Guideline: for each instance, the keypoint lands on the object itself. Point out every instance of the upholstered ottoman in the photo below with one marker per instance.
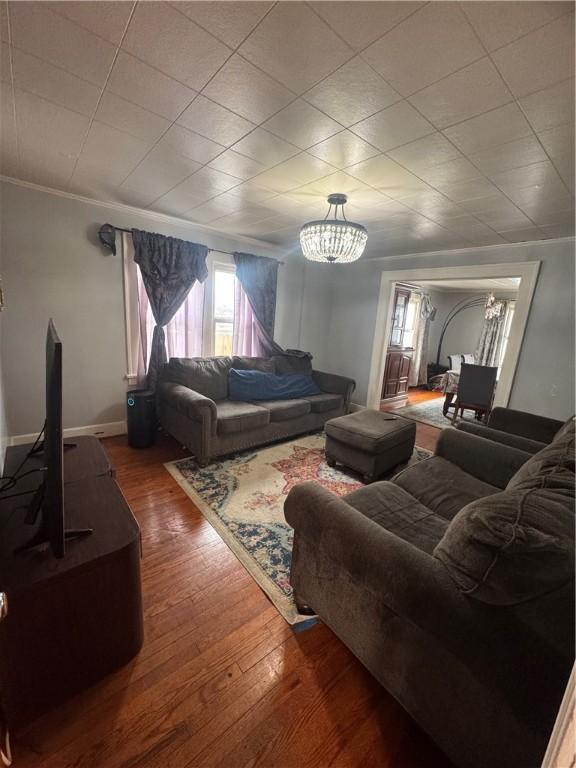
(369, 441)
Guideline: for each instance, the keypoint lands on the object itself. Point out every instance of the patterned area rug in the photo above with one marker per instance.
(429, 412)
(243, 499)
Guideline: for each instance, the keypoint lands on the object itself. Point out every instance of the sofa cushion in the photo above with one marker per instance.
(299, 362)
(513, 546)
(400, 513)
(324, 402)
(207, 375)
(553, 466)
(284, 410)
(237, 416)
(371, 431)
(442, 486)
(264, 364)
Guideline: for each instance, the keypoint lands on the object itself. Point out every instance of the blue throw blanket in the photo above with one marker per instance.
(256, 385)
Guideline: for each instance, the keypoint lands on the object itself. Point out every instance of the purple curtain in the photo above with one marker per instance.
(169, 269)
(245, 341)
(258, 276)
(183, 333)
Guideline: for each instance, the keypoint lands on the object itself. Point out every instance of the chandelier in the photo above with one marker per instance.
(492, 308)
(333, 240)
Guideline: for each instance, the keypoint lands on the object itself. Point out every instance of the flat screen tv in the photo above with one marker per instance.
(48, 500)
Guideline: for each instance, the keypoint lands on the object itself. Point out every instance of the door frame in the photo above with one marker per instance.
(527, 271)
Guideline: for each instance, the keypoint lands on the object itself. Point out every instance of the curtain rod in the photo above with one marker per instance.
(111, 243)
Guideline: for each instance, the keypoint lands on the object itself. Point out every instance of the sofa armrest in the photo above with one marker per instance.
(490, 462)
(192, 404)
(524, 424)
(345, 545)
(506, 438)
(334, 384)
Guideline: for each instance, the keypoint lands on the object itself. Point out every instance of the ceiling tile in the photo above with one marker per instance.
(110, 154)
(247, 91)
(201, 186)
(47, 167)
(526, 176)
(160, 171)
(230, 22)
(295, 47)
(215, 122)
(266, 148)
(119, 113)
(4, 22)
(471, 91)
(5, 67)
(539, 59)
(468, 190)
(37, 30)
(368, 22)
(434, 42)
(345, 148)
(550, 107)
(55, 84)
(490, 129)
(237, 165)
(422, 153)
(190, 144)
(166, 39)
(302, 124)
(452, 171)
(293, 173)
(559, 144)
(8, 144)
(514, 154)
(216, 208)
(250, 193)
(500, 220)
(105, 18)
(542, 199)
(352, 93)
(499, 23)
(46, 126)
(339, 182)
(148, 88)
(524, 235)
(393, 127)
(384, 174)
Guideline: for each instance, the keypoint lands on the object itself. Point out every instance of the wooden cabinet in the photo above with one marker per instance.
(398, 356)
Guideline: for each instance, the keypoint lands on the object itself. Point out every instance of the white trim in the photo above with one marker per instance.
(472, 249)
(131, 315)
(526, 270)
(262, 245)
(111, 429)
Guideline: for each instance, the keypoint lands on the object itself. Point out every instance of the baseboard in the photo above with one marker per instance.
(98, 430)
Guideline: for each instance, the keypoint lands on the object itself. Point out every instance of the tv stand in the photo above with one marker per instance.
(73, 620)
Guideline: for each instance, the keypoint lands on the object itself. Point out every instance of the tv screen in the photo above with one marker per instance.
(53, 502)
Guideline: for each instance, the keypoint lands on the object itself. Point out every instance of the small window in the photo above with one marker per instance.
(223, 319)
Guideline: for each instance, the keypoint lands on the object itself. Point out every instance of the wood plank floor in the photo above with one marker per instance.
(426, 435)
(221, 681)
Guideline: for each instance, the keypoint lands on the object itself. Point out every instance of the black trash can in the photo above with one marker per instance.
(141, 411)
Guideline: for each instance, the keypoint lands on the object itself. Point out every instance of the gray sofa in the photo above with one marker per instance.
(519, 429)
(193, 406)
(454, 585)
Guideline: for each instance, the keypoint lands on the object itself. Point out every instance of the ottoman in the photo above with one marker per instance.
(369, 441)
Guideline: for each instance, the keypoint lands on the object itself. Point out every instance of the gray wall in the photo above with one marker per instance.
(3, 425)
(544, 381)
(53, 266)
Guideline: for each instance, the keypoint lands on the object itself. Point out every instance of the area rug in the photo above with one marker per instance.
(428, 412)
(243, 499)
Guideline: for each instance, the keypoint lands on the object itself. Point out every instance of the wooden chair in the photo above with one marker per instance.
(475, 390)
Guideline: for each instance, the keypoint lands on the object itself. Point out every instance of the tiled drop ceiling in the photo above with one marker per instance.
(447, 124)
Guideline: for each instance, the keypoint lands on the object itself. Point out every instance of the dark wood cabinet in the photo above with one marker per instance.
(398, 356)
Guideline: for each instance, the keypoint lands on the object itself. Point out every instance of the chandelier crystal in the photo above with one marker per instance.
(333, 240)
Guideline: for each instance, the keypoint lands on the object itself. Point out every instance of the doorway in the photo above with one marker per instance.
(516, 281)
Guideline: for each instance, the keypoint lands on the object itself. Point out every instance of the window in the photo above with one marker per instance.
(214, 319)
(411, 322)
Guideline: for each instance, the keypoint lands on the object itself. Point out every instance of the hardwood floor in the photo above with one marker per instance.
(221, 681)
(426, 435)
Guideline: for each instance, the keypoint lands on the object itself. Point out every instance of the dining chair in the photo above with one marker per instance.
(475, 390)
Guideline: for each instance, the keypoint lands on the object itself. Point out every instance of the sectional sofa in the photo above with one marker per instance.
(193, 404)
